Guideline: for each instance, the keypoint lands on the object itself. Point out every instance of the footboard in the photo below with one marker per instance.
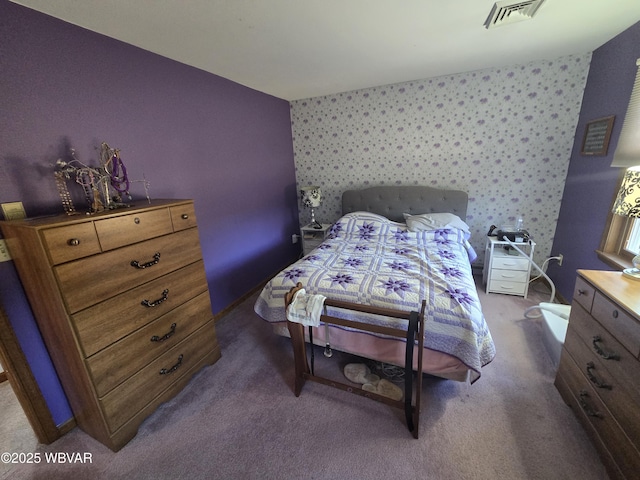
(303, 372)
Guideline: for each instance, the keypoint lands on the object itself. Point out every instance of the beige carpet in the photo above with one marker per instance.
(239, 419)
(16, 434)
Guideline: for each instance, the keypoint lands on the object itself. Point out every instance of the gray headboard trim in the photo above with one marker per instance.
(393, 201)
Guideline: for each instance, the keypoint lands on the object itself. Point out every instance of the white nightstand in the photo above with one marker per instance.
(312, 237)
(505, 272)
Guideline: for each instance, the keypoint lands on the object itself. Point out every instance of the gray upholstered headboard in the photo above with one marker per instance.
(393, 201)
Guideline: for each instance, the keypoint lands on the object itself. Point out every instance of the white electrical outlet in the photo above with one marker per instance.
(5, 256)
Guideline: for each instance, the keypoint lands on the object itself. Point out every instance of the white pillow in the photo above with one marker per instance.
(433, 221)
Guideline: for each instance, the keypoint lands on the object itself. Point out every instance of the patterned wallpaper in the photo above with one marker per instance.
(504, 135)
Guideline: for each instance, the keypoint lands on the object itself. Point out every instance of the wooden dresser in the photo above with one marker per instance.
(599, 373)
(122, 302)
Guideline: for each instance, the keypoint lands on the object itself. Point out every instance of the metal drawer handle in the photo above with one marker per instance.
(185, 216)
(581, 292)
(585, 407)
(615, 314)
(166, 336)
(73, 242)
(156, 259)
(166, 371)
(594, 379)
(155, 303)
(602, 353)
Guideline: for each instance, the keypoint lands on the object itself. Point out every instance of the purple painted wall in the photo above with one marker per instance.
(591, 183)
(189, 133)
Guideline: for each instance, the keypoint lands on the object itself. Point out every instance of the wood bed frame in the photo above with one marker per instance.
(411, 402)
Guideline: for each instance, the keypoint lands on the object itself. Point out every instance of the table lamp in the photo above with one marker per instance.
(628, 204)
(311, 197)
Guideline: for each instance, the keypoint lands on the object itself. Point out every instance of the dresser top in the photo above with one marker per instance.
(135, 206)
(624, 291)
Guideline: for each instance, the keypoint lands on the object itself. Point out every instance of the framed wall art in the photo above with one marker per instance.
(596, 136)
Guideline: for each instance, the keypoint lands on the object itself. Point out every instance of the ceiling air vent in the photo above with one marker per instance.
(509, 11)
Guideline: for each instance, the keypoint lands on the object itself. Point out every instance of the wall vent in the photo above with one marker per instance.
(508, 11)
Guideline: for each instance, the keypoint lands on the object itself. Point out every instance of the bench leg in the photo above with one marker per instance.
(296, 330)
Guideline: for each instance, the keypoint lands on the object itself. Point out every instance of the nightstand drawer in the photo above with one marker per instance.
(311, 244)
(502, 286)
(519, 276)
(510, 262)
(313, 237)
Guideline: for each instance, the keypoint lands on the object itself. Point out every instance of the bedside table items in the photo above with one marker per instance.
(514, 234)
(312, 198)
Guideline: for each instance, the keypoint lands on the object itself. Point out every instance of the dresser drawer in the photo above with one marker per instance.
(114, 364)
(603, 346)
(118, 296)
(621, 325)
(183, 216)
(509, 262)
(604, 375)
(503, 286)
(71, 242)
(93, 279)
(596, 417)
(127, 399)
(124, 230)
(126, 313)
(583, 293)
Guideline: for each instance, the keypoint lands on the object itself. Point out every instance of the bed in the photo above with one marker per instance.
(394, 247)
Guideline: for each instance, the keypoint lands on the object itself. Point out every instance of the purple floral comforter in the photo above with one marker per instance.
(372, 260)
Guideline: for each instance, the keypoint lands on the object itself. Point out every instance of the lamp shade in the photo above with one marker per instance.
(628, 199)
(627, 152)
(311, 196)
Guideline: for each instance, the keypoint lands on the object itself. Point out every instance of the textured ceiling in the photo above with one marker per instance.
(296, 49)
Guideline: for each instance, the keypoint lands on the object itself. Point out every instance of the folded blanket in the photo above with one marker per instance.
(306, 308)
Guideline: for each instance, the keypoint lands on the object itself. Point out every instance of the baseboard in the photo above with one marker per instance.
(559, 298)
(218, 316)
(237, 302)
(66, 427)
